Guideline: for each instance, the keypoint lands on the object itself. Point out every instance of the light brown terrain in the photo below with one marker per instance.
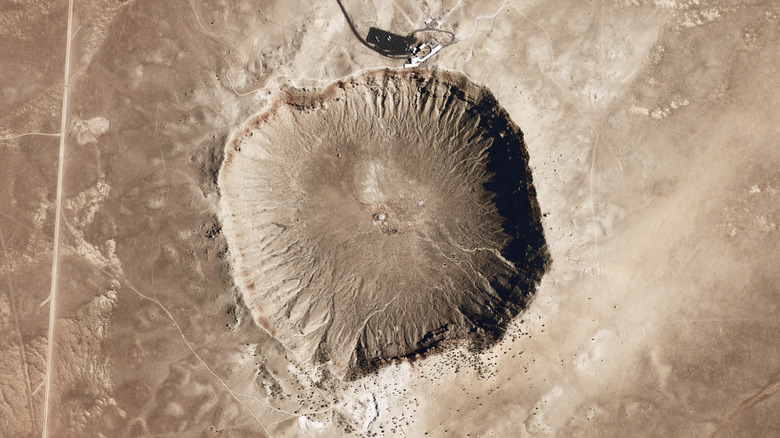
(652, 138)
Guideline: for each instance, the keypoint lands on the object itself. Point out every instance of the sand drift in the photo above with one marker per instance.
(383, 217)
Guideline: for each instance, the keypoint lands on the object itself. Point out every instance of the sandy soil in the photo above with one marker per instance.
(652, 137)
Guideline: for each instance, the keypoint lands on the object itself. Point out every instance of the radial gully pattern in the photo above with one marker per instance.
(382, 217)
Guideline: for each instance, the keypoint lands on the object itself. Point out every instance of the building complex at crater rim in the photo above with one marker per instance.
(381, 217)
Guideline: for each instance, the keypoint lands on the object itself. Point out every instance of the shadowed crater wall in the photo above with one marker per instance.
(382, 217)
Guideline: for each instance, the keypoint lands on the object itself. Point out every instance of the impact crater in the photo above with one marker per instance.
(382, 217)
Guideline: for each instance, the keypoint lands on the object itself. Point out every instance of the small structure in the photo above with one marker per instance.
(423, 52)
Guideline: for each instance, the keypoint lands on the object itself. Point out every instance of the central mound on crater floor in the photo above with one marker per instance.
(381, 217)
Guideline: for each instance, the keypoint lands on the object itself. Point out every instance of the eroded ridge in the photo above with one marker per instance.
(381, 217)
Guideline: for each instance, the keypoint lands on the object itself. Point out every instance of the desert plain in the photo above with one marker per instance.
(651, 135)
